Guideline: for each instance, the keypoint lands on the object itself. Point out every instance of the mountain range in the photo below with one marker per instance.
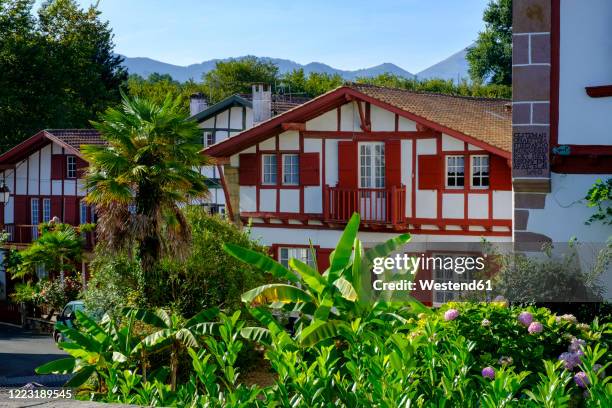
(453, 67)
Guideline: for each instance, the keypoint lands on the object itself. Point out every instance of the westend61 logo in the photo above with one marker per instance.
(396, 266)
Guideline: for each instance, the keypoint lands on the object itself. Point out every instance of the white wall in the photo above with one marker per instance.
(565, 210)
(585, 60)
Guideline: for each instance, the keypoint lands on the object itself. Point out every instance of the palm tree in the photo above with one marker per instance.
(151, 161)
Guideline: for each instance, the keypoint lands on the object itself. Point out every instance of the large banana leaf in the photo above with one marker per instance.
(276, 292)
(204, 316)
(80, 377)
(258, 334)
(311, 277)
(149, 317)
(91, 326)
(385, 248)
(318, 331)
(61, 366)
(344, 249)
(261, 261)
(346, 289)
(83, 340)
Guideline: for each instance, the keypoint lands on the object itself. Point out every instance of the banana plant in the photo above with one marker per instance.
(327, 300)
(93, 348)
(175, 333)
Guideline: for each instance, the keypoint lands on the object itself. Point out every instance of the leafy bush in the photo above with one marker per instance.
(56, 293)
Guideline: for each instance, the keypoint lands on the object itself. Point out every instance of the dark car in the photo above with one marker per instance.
(67, 317)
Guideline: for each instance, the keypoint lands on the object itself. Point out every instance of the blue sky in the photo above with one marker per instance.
(345, 34)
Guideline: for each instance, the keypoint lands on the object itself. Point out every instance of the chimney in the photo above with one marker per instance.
(262, 102)
(197, 103)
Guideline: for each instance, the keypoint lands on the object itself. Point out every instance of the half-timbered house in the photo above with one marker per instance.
(434, 165)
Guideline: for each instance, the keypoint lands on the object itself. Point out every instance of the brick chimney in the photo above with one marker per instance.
(262, 102)
(197, 103)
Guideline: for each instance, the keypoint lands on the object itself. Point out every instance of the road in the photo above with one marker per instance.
(21, 352)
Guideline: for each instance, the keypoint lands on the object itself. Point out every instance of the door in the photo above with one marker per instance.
(372, 193)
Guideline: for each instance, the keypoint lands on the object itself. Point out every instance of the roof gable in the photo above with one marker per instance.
(484, 122)
(234, 100)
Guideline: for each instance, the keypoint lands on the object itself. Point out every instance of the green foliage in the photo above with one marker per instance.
(237, 76)
(599, 197)
(157, 87)
(56, 293)
(26, 293)
(209, 276)
(313, 84)
(58, 67)
(490, 58)
(151, 161)
(116, 281)
(59, 248)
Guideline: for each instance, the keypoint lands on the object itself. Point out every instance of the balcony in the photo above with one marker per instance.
(376, 206)
(25, 234)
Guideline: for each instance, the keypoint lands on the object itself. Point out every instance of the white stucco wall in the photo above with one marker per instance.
(585, 52)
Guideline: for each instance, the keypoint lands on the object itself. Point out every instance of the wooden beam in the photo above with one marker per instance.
(364, 124)
(599, 91)
(294, 126)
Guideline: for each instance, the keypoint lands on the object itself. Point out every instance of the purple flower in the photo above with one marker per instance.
(451, 314)
(525, 318)
(485, 323)
(581, 379)
(576, 345)
(535, 327)
(488, 372)
(570, 360)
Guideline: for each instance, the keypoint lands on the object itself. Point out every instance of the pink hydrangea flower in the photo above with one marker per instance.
(525, 318)
(576, 345)
(535, 327)
(581, 379)
(485, 323)
(570, 360)
(451, 314)
(488, 372)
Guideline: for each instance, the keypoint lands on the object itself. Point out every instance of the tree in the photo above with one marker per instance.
(237, 76)
(490, 58)
(151, 161)
(314, 84)
(157, 87)
(57, 67)
(59, 248)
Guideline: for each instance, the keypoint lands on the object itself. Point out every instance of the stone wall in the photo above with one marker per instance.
(531, 74)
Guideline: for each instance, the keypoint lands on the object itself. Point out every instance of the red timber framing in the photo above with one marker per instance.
(65, 205)
(294, 119)
(582, 159)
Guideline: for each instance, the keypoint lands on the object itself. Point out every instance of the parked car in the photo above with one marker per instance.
(67, 317)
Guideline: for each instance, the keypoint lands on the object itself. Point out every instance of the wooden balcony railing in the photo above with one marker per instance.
(374, 205)
(25, 234)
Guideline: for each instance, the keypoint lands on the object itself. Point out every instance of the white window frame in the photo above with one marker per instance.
(269, 171)
(480, 177)
(291, 170)
(71, 167)
(304, 254)
(455, 173)
(82, 212)
(440, 297)
(208, 138)
(46, 210)
(34, 216)
(371, 165)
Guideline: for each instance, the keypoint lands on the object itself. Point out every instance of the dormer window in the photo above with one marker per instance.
(71, 167)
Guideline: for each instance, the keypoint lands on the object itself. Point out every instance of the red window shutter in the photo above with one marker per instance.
(347, 164)
(430, 172)
(70, 210)
(21, 210)
(81, 167)
(500, 175)
(56, 207)
(393, 162)
(248, 169)
(57, 167)
(309, 169)
(323, 259)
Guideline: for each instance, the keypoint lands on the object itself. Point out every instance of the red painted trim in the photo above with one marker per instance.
(555, 23)
(299, 126)
(467, 174)
(396, 125)
(324, 103)
(490, 198)
(414, 178)
(474, 222)
(599, 91)
(339, 118)
(259, 176)
(301, 186)
(415, 231)
(375, 136)
(438, 191)
(279, 171)
(228, 203)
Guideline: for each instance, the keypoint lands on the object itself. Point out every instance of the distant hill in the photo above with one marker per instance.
(451, 68)
(454, 67)
(146, 66)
